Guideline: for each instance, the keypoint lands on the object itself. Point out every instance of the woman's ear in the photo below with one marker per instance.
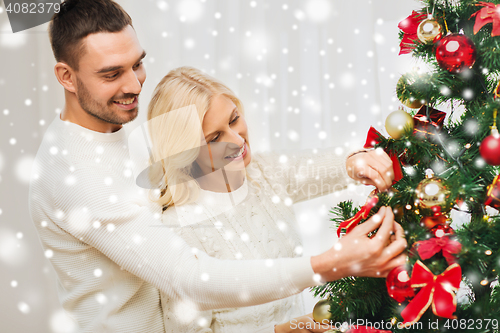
(66, 76)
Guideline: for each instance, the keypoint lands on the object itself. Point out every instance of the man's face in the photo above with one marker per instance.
(111, 75)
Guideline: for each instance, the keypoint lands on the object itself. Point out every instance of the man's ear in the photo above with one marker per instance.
(66, 76)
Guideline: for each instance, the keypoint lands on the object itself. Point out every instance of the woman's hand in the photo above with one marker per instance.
(372, 167)
(355, 254)
(304, 324)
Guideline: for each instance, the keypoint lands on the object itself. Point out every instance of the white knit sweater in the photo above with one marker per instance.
(111, 251)
(255, 221)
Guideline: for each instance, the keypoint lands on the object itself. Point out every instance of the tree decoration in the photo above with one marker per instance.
(411, 102)
(397, 123)
(447, 246)
(433, 195)
(321, 311)
(455, 53)
(409, 26)
(426, 126)
(429, 31)
(431, 222)
(438, 290)
(490, 147)
(490, 13)
(493, 195)
(398, 284)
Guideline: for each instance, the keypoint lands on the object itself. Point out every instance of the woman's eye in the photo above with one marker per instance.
(138, 65)
(234, 120)
(215, 139)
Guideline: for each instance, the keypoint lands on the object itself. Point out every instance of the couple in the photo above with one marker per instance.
(119, 268)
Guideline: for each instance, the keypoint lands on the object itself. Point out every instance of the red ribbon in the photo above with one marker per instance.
(437, 290)
(363, 213)
(490, 13)
(410, 26)
(372, 139)
(428, 248)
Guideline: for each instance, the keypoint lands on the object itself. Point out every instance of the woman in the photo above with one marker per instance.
(228, 202)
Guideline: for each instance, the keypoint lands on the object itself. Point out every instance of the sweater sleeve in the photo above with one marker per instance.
(109, 214)
(302, 175)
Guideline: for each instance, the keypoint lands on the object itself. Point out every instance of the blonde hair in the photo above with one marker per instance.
(182, 90)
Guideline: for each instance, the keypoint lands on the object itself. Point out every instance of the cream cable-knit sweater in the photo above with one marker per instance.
(255, 221)
(111, 251)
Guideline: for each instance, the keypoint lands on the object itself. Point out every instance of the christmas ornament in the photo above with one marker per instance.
(432, 221)
(490, 13)
(493, 195)
(427, 125)
(438, 290)
(321, 311)
(372, 138)
(409, 26)
(442, 230)
(490, 148)
(455, 52)
(346, 226)
(410, 102)
(398, 284)
(397, 123)
(428, 248)
(429, 31)
(433, 196)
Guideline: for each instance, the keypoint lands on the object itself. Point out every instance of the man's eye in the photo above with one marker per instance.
(112, 76)
(234, 120)
(138, 65)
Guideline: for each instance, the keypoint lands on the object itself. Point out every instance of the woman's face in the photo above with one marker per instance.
(226, 135)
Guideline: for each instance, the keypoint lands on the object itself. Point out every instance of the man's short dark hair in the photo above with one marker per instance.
(80, 18)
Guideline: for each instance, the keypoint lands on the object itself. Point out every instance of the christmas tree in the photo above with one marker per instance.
(445, 147)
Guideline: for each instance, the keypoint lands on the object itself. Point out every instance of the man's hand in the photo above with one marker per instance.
(373, 167)
(304, 324)
(358, 255)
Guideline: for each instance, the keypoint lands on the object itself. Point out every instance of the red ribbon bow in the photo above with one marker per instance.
(371, 140)
(410, 26)
(438, 290)
(363, 213)
(490, 13)
(428, 248)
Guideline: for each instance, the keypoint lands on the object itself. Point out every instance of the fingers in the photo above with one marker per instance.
(376, 166)
(372, 223)
(396, 247)
(393, 263)
(384, 232)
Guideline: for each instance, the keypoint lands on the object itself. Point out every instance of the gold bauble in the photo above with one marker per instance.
(433, 195)
(429, 31)
(401, 87)
(397, 123)
(321, 311)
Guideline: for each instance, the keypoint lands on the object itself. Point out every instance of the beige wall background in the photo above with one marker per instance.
(311, 73)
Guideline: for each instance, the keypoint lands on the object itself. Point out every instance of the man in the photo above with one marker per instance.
(98, 228)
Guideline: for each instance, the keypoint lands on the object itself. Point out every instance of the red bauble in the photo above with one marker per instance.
(455, 52)
(398, 284)
(442, 230)
(490, 149)
(431, 221)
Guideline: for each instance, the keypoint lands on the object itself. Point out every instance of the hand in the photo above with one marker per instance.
(358, 255)
(373, 167)
(304, 324)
